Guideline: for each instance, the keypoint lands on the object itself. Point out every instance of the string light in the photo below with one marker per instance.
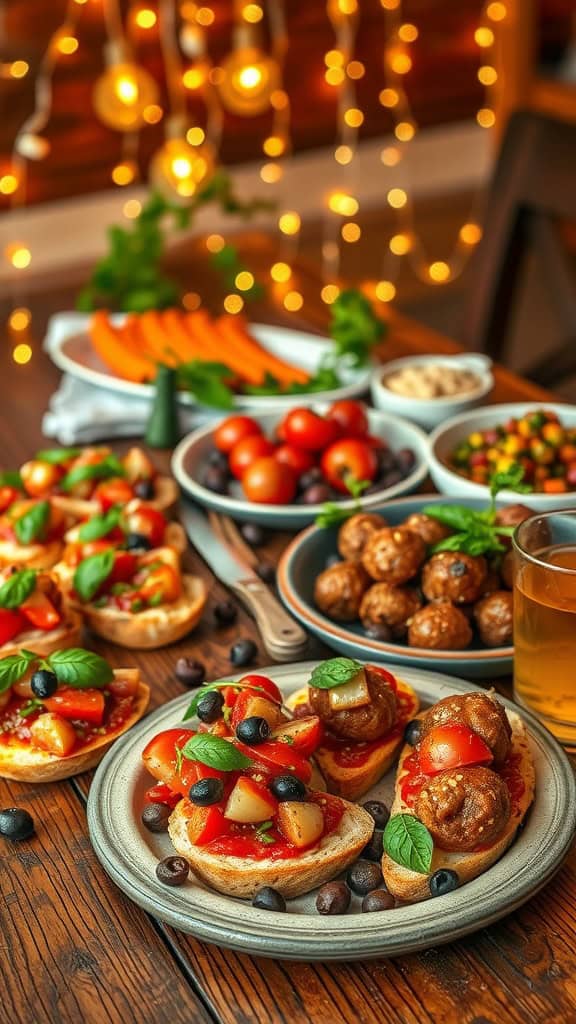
(67, 44)
(124, 173)
(484, 37)
(122, 94)
(400, 62)
(496, 11)
(289, 223)
(404, 131)
(271, 173)
(8, 184)
(280, 272)
(354, 117)
(400, 244)
(132, 208)
(487, 75)
(329, 293)
(252, 13)
(18, 69)
(249, 77)
(145, 18)
(195, 78)
(388, 97)
(408, 33)
(343, 204)
(205, 16)
(191, 301)
(334, 59)
(18, 255)
(470, 234)
(390, 156)
(215, 243)
(233, 303)
(293, 301)
(343, 154)
(439, 271)
(397, 198)
(195, 136)
(355, 69)
(274, 145)
(486, 117)
(22, 353)
(19, 319)
(152, 113)
(334, 76)
(244, 281)
(385, 291)
(351, 232)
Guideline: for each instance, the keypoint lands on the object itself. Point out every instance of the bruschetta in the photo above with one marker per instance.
(32, 533)
(364, 710)
(60, 713)
(32, 613)
(465, 782)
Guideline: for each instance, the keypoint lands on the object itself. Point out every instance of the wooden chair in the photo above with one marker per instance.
(532, 196)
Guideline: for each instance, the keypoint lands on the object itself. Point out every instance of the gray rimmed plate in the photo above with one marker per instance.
(129, 854)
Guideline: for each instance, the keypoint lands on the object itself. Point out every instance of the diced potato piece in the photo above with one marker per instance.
(164, 554)
(125, 682)
(259, 707)
(52, 733)
(301, 823)
(137, 465)
(352, 695)
(249, 803)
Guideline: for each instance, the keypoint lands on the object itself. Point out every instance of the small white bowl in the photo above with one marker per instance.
(429, 412)
(446, 437)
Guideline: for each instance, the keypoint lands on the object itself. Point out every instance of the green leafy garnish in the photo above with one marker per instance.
(408, 842)
(333, 514)
(108, 467)
(30, 707)
(326, 378)
(33, 524)
(57, 456)
(80, 668)
(262, 831)
(215, 752)
(11, 478)
(355, 327)
(476, 532)
(334, 672)
(208, 383)
(508, 480)
(14, 667)
(17, 588)
(100, 525)
(91, 573)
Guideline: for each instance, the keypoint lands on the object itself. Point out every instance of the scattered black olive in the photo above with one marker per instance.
(310, 477)
(288, 787)
(253, 534)
(268, 898)
(333, 559)
(266, 572)
(206, 792)
(172, 870)
(218, 459)
(442, 881)
(225, 612)
(377, 900)
(393, 477)
(412, 732)
(137, 542)
(253, 730)
(190, 672)
(379, 631)
(43, 683)
(385, 460)
(16, 824)
(144, 489)
(155, 817)
(374, 849)
(317, 494)
(215, 480)
(333, 898)
(243, 652)
(405, 460)
(378, 811)
(210, 707)
(364, 876)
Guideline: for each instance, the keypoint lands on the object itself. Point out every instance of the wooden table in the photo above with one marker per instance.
(75, 949)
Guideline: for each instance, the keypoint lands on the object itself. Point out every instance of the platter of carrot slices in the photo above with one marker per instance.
(253, 365)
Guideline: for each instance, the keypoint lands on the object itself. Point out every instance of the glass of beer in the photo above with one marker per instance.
(545, 621)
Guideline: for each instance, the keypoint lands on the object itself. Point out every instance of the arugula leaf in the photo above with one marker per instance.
(354, 327)
(108, 467)
(11, 478)
(80, 669)
(509, 480)
(100, 525)
(57, 456)
(33, 524)
(207, 382)
(14, 667)
(17, 588)
(215, 752)
(334, 672)
(91, 573)
(408, 842)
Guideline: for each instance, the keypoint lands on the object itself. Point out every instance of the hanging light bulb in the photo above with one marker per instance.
(31, 145)
(179, 169)
(121, 95)
(249, 75)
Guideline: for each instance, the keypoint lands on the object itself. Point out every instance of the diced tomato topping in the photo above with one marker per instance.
(159, 755)
(148, 522)
(116, 491)
(124, 568)
(7, 496)
(277, 758)
(262, 683)
(12, 622)
(204, 824)
(161, 583)
(40, 611)
(452, 746)
(84, 705)
(162, 794)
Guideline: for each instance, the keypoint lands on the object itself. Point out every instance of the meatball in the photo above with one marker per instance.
(493, 616)
(464, 807)
(430, 529)
(393, 554)
(507, 569)
(338, 591)
(481, 712)
(512, 515)
(491, 581)
(440, 626)
(392, 606)
(354, 533)
(367, 722)
(455, 576)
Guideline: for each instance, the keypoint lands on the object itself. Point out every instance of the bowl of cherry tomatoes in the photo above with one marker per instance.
(281, 471)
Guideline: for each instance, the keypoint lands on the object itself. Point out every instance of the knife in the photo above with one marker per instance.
(283, 638)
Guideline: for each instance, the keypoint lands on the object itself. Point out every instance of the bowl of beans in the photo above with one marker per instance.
(430, 389)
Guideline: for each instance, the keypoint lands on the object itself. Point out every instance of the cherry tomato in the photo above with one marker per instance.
(39, 477)
(304, 735)
(12, 622)
(149, 522)
(72, 704)
(306, 429)
(247, 451)
(40, 611)
(204, 824)
(162, 584)
(385, 676)
(278, 758)
(262, 683)
(234, 429)
(350, 417)
(159, 756)
(452, 746)
(348, 458)
(298, 459)
(162, 794)
(268, 482)
(74, 553)
(115, 491)
(125, 565)
(7, 496)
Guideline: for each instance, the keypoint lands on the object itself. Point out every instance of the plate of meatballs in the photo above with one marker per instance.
(374, 588)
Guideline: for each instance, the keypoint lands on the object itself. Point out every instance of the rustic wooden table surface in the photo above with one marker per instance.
(74, 949)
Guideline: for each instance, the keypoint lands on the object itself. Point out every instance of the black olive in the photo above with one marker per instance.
(243, 652)
(210, 707)
(385, 460)
(442, 881)
(144, 489)
(215, 479)
(393, 477)
(412, 732)
(253, 534)
(288, 787)
(137, 542)
(172, 870)
(333, 898)
(378, 811)
(405, 460)
(374, 849)
(218, 459)
(16, 824)
(317, 494)
(155, 817)
(253, 730)
(379, 631)
(310, 477)
(266, 572)
(190, 672)
(225, 612)
(377, 900)
(364, 876)
(268, 898)
(332, 560)
(206, 792)
(43, 683)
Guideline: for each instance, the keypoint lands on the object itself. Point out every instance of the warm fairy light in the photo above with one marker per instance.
(408, 33)
(293, 301)
(496, 11)
(180, 168)
(195, 136)
(194, 78)
(19, 68)
(351, 232)
(486, 118)
(215, 243)
(343, 154)
(343, 203)
(32, 146)
(152, 114)
(347, 6)
(483, 36)
(249, 77)
(191, 301)
(280, 272)
(67, 44)
(400, 244)
(388, 97)
(353, 117)
(216, 76)
(132, 209)
(330, 251)
(8, 184)
(22, 354)
(274, 145)
(385, 291)
(334, 59)
(252, 13)
(390, 156)
(124, 173)
(271, 173)
(279, 99)
(334, 76)
(205, 16)
(400, 62)
(20, 318)
(404, 131)
(233, 303)
(80, 2)
(122, 94)
(18, 255)
(329, 293)
(145, 18)
(355, 70)
(439, 271)
(487, 74)
(244, 281)
(289, 223)
(397, 198)
(470, 233)
(390, 5)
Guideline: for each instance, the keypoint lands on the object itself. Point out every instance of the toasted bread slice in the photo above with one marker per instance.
(410, 885)
(293, 876)
(352, 781)
(30, 556)
(174, 538)
(82, 508)
(25, 763)
(43, 643)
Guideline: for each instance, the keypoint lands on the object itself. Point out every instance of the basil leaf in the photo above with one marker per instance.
(356, 487)
(17, 588)
(92, 573)
(32, 525)
(110, 466)
(216, 753)
(457, 517)
(11, 478)
(57, 456)
(99, 526)
(14, 667)
(334, 672)
(79, 668)
(408, 842)
(332, 515)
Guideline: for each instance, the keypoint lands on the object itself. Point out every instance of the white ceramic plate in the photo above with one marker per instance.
(129, 854)
(191, 455)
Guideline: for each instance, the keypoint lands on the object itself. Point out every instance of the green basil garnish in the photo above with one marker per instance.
(334, 672)
(408, 842)
(92, 573)
(108, 467)
(80, 669)
(17, 588)
(33, 524)
(100, 525)
(215, 752)
(57, 456)
(11, 478)
(14, 667)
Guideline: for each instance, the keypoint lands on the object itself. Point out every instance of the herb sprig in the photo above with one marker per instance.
(74, 667)
(477, 533)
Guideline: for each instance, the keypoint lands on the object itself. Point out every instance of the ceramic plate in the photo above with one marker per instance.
(75, 355)
(190, 458)
(129, 854)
